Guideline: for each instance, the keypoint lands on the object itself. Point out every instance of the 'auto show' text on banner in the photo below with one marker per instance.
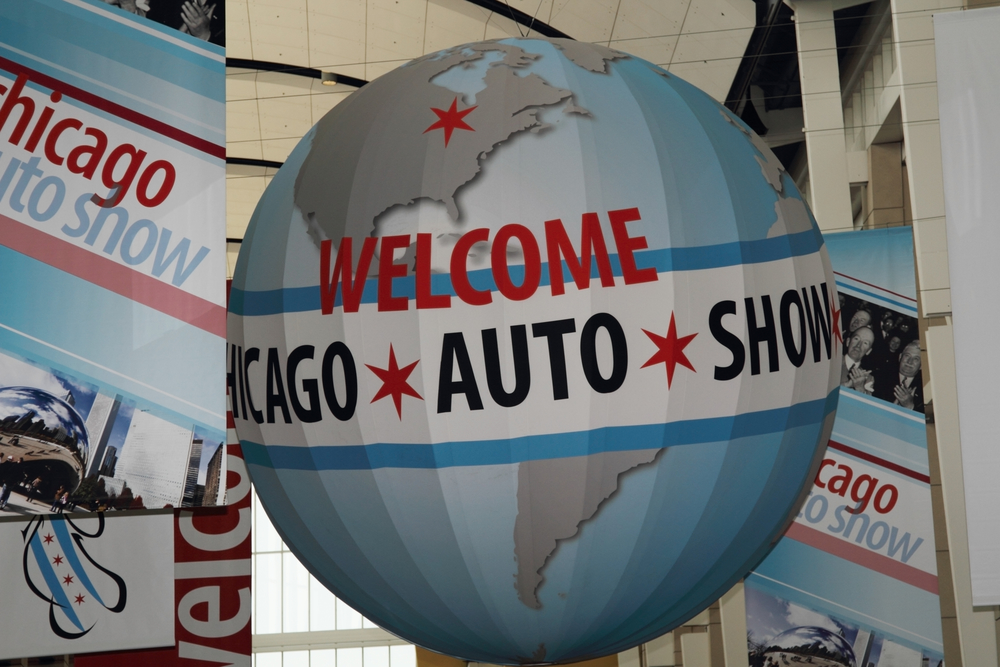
(854, 579)
(112, 257)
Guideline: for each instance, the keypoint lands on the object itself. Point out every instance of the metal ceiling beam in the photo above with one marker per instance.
(516, 15)
(254, 162)
(308, 72)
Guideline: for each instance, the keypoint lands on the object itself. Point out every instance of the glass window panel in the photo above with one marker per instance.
(402, 656)
(347, 618)
(267, 659)
(376, 656)
(365, 623)
(325, 658)
(267, 593)
(296, 659)
(265, 536)
(295, 595)
(322, 607)
(349, 657)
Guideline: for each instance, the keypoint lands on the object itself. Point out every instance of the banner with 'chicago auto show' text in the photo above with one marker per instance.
(854, 579)
(112, 255)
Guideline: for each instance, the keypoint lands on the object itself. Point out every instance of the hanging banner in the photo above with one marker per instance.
(112, 256)
(968, 96)
(83, 582)
(854, 579)
(212, 568)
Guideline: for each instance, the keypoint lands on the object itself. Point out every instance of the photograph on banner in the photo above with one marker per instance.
(212, 570)
(781, 633)
(881, 352)
(86, 582)
(50, 421)
(112, 249)
(203, 19)
(855, 575)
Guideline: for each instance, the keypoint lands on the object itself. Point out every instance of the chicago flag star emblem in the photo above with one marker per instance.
(78, 590)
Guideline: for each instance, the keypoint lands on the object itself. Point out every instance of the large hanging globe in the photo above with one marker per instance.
(532, 350)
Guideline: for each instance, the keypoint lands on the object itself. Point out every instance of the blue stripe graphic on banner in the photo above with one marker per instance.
(850, 287)
(52, 581)
(537, 447)
(304, 299)
(104, 37)
(72, 558)
(161, 379)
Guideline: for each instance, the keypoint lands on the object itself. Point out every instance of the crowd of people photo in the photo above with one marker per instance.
(204, 19)
(881, 353)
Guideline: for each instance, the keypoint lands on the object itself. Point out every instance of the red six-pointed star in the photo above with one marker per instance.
(670, 350)
(79, 599)
(57, 560)
(835, 321)
(451, 120)
(68, 579)
(48, 538)
(394, 382)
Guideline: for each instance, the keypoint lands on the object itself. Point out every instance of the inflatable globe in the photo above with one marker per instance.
(42, 436)
(533, 347)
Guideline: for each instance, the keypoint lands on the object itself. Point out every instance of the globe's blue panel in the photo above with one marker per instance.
(531, 350)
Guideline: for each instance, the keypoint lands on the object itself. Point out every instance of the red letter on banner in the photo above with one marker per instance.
(350, 288)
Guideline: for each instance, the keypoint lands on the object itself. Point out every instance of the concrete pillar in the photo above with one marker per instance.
(969, 635)
(733, 612)
(823, 115)
(716, 641)
(885, 191)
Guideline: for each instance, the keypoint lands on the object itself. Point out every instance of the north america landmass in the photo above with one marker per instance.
(347, 182)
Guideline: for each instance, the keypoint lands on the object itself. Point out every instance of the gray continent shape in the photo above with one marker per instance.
(347, 180)
(554, 498)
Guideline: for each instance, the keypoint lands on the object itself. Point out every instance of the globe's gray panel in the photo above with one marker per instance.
(553, 498)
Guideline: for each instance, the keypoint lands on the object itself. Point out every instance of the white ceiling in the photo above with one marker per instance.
(268, 112)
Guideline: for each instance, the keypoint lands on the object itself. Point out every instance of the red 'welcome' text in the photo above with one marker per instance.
(558, 249)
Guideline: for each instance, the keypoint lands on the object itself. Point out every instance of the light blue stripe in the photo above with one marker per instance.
(52, 581)
(882, 257)
(183, 82)
(214, 135)
(55, 22)
(538, 447)
(31, 352)
(876, 295)
(150, 96)
(881, 430)
(303, 299)
(817, 580)
(114, 332)
(69, 549)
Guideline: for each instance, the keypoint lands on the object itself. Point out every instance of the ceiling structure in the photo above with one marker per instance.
(277, 50)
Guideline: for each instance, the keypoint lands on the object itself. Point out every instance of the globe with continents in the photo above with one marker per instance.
(533, 347)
